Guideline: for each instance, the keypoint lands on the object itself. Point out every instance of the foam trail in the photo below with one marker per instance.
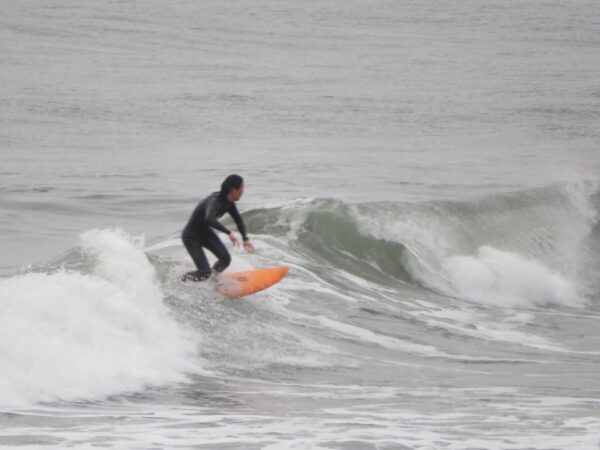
(67, 335)
(388, 342)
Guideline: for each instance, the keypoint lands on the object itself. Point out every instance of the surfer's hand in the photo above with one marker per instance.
(234, 240)
(248, 246)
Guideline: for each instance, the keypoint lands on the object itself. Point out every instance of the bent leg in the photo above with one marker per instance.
(194, 248)
(216, 246)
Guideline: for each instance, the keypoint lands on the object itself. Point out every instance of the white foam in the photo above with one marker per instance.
(507, 279)
(79, 336)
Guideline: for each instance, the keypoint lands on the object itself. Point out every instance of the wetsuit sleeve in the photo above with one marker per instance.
(210, 216)
(235, 214)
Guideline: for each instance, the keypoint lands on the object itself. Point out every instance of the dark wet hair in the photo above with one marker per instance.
(231, 182)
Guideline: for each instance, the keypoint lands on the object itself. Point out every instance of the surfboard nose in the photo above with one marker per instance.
(280, 270)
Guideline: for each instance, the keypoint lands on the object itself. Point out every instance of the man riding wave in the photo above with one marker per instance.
(198, 234)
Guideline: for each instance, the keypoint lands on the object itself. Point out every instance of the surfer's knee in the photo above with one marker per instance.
(225, 260)
(222, 263)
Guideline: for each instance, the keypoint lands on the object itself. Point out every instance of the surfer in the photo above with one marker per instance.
(198, 233)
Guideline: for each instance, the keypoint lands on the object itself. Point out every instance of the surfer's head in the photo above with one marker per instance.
(232, 187)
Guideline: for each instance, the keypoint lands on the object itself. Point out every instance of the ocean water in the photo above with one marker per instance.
(429, 171)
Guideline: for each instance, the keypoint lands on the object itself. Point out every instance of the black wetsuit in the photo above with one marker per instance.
(198, 233)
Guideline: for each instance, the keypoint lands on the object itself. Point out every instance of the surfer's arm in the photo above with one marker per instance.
(210, 217)
(235, 214)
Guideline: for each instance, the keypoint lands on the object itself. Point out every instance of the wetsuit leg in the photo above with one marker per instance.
(194, 248)
(216, 246)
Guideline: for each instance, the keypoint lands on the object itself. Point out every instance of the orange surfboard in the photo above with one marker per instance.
(239, 284)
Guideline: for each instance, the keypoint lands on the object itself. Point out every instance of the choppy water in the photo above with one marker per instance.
(428, 171)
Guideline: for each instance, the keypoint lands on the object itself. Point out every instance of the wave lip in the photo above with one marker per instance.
(74, 335)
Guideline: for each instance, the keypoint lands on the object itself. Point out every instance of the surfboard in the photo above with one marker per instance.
(240, 284)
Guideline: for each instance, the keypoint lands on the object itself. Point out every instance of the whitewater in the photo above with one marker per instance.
(429, 172)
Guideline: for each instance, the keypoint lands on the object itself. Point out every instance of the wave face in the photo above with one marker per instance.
(519, 249)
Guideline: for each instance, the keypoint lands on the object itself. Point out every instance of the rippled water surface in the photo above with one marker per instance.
(428, 171)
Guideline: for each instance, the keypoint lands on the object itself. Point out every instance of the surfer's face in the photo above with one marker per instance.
(236, 194)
